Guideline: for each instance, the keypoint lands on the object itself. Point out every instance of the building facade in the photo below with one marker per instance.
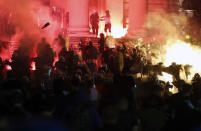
(125, 14)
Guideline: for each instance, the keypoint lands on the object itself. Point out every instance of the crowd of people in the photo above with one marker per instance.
(95, 91)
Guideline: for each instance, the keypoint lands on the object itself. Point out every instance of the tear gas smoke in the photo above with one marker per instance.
(172, 28)
(27, 17)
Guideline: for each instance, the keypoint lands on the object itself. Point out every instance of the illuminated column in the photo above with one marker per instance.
(137, 15)
(78, 17)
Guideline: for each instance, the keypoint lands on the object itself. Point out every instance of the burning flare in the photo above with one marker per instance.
(168, 78)
(185, 54)
(118, 32)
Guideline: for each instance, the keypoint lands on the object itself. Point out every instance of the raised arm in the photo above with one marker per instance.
(102, 18)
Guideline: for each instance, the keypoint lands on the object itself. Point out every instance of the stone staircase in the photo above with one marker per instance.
(74, 41)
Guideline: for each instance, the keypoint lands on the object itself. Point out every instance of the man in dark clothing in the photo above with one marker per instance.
(61, 41)
(45, 56)
(41, 46)
(92, 52)
(92, 55)
(101, 43)
(61, 65)
(94, 19)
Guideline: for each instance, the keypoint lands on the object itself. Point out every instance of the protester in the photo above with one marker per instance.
(94, 20)
(71, 95)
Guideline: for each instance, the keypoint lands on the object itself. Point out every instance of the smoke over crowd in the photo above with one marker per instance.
(104, 84)
(175, 39)
(24, 19)
(166, 25)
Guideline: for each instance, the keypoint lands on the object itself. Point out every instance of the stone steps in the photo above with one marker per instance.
(74, 41)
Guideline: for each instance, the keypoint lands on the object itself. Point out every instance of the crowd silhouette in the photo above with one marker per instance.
(95, 91)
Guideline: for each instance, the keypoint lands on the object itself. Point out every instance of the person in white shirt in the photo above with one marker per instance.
(107, 19)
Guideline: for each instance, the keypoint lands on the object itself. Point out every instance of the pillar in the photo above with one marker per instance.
(78, 17)
(137, 15)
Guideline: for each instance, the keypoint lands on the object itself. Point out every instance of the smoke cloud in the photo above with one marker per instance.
(27, 18)
(166, 28)
(166, 25)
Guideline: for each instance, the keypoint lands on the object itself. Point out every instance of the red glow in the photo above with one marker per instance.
(33, 66)
(157, 5)
(8, 67)
(36, 14)
(137, 14)
(21, 12)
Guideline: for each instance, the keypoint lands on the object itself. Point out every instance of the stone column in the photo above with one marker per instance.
(137, 15)
(79, 17)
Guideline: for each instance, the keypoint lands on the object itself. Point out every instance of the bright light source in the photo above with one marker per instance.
(118, 32)
(33, 66)
(185, 54)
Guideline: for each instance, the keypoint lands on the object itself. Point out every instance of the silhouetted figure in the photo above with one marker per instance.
(82, 47)
(61, 41)
(92, 52)
(41, 46)
(21, 62)
(175, 70)
(45, 56)
(101, 43)
(94, 19)
(61, 65)
(63, 53)
(92, 55)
